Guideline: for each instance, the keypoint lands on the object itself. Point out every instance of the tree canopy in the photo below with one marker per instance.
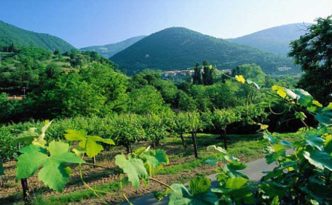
(313, 51)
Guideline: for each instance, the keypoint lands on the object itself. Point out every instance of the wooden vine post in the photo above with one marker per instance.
(26, 195)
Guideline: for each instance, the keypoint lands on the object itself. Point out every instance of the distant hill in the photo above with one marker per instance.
(180, 48)
(110, 50)
(275, 40)
(10, 34)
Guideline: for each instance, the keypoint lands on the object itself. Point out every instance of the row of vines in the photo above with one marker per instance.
(302, 174)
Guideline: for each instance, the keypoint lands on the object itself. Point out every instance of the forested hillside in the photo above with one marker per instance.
(179, 48)
(10, 34)
(110, 50)
(275, 40)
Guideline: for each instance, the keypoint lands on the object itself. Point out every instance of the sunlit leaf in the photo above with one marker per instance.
(240, 79)
(280, 90)
(318, 104)
(53, 171)
(236, 182)
(88, 143)
(319, 159)
(133, 167)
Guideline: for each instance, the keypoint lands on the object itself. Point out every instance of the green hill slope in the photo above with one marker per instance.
(10, 34)
(110, 50)
(180, 48)
(275, 40)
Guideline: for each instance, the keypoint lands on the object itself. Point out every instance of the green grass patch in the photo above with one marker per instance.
(77, 196)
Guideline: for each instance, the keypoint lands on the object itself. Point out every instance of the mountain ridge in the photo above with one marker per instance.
(179, 47)
(108, 50)
(274, 39)
(10, 34)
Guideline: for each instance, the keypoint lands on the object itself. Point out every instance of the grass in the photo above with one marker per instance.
(78, 196)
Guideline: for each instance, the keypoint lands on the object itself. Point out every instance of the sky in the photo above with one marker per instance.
(97, 22)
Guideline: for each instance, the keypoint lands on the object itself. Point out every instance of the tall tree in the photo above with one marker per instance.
(197, 76)
(313, 51)
(208, 72)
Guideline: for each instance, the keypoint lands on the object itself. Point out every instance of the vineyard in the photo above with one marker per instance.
(86, 133)
(54, 157)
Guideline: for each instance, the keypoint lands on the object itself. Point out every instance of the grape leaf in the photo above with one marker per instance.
(236, 182)
(53, 171)
(53, 175)
(324, 116)
(161, 156)
(180, 195)
(304, 98)
(315, 141)
(75, 135)
(133, 167)
(31, 159)
(27, 136)
(319, 159)
(88, 143)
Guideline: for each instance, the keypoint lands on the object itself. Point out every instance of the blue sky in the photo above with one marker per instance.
(97, 22)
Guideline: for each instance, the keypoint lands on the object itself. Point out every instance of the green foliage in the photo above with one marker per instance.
(197, 76)
(198, 193)
(308, 167)
(89, 144)
(155, 127)
(208, 74)
(153, 159)
(141, 164)
(312, 52)
(52, 160)
(167, 88)
(126, 130)
(222, 118)
(233, 186)
(134, 168)
(77, 96)
(185, 102)
(182, 123)
(145, 100)
(7, 107)
(324, 116)
(194, 121)
(204, 75)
